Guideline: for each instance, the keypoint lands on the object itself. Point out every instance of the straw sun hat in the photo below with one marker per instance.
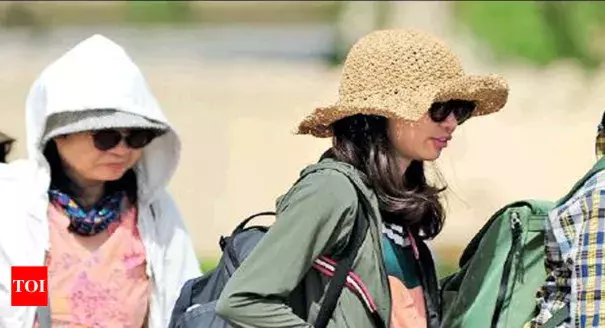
(399, 74)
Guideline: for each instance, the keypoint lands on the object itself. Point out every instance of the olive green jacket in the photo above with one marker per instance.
(276, 285)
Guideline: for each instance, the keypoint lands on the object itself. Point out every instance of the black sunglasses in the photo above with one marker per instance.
(135, 138)
(8, 145)
(462, 110)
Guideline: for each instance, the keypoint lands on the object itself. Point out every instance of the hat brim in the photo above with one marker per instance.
(490, 94)
(94, 120)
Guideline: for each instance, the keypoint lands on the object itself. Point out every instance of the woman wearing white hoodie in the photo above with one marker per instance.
(90, 201)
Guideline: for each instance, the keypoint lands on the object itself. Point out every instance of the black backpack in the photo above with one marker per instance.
(195, 307)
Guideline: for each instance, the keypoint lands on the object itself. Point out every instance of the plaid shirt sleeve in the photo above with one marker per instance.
(575, 239)
(586, 307)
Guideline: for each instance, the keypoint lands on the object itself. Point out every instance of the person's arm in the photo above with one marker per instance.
(316, 214)
(19, 244)
(553, 294)
(574, 245)
(587, 308)
(180, 259)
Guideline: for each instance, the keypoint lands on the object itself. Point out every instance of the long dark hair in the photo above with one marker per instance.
(362, 141)
(5, 148)
(60, 181)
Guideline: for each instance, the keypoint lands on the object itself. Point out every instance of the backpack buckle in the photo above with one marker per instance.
(515, 223)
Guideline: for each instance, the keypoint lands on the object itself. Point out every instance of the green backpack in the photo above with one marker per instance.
(502, 268)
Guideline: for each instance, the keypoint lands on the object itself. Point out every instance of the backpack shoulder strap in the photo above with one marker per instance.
(360, 228)
(557, 318)
(599, 166)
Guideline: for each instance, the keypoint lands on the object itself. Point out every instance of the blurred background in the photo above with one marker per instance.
(236, 77)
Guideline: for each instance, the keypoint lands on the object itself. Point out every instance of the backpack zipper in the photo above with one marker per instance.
(516, 227)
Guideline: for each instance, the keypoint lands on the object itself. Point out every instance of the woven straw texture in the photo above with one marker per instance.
(399, 74)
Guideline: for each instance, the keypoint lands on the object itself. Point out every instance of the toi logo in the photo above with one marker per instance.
(29, 286)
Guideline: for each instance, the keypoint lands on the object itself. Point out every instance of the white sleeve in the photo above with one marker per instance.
(180, 259)
(18, 245)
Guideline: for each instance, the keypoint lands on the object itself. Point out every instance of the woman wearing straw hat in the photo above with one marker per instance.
(90, 202)
(403, 93)
(6, 143)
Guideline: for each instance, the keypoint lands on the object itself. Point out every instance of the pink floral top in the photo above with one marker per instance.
(97, 281)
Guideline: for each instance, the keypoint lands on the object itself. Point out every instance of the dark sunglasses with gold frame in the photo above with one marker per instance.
(600, 141)
(5, 149)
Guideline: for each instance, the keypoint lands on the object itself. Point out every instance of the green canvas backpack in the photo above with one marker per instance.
(502, 268)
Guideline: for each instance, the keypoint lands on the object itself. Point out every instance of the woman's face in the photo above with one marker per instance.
(423, 140)
(86, 162)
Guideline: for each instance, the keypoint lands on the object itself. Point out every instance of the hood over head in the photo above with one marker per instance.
(98, 75)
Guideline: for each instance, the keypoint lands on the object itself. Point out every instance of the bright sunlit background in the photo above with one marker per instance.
(235, 78)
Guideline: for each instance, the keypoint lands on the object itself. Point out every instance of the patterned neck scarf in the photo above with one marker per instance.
(89, 223)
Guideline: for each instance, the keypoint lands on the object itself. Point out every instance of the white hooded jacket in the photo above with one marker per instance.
(95, 74)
